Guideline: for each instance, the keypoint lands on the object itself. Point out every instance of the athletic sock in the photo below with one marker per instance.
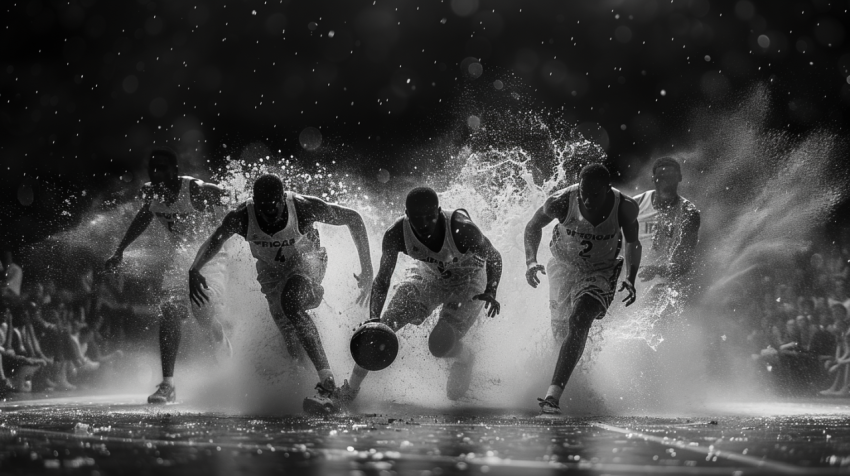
(325, 374)
(555, 392)
(168, 380)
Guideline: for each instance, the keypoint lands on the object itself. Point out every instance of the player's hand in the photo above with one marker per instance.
(364, 282)
(531, 274)
(113, 262)
(197, 284)
(491, 305)
(630, 288)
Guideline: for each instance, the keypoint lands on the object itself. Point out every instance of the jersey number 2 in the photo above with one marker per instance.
(588, 245)
(280, 257)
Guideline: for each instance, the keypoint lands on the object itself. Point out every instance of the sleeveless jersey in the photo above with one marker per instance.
(179, 217)
(285, 245)
(445, 262)
(660, 231)
(577, 242)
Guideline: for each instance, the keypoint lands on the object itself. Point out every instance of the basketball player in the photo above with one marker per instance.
(184, 205)
(669, 225)
(585, 263)
(279, 227)
(457, 267)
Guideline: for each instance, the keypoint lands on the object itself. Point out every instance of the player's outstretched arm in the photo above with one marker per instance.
(628, 213)
(534, 234)
(391, 246)
(469, 237)
(333, 214)
(235, 222)
(138, 226)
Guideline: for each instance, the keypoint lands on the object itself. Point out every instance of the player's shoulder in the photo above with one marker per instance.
(461, 223)
(558, 202)
(688, 206)
(394, 236)
(628, 206)
(639, 198)
(461, 217)
(306, 200)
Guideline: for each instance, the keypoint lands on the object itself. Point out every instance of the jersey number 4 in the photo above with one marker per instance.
(280, 257)
(588, 245)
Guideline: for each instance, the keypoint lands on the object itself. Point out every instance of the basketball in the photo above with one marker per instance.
(374, 346)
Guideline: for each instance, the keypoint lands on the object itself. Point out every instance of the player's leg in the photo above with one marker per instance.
(446, 341)
(172, 311)
(405, 307)
(299, 294)
(586, 310)
(208, 315)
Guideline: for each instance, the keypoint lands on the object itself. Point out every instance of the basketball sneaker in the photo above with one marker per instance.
(165, 393)
(326, 400)
(460, 376)
(548, 406)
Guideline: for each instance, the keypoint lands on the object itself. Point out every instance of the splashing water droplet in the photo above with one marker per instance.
(310, 138)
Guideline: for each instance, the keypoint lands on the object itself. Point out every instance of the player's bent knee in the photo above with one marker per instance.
(294, 295)
(442, 340)
(586, 311)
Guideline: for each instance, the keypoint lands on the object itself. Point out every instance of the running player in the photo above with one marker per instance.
(671, 224)
(457, 267)
(279, 227)
(184, 205)
(585, 263)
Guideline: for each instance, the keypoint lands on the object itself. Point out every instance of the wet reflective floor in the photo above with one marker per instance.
(117, 435)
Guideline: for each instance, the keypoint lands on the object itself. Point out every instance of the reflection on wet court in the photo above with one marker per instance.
(116, 434)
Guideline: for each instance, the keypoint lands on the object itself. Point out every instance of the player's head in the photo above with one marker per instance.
(162, 165)
(666, 175)
(594, 182)
(268, 196)
(422, 208)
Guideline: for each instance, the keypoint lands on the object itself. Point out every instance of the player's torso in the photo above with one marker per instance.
(283, 245)
(180, 217)
(660, 232)
(445, 262)
(577, 241)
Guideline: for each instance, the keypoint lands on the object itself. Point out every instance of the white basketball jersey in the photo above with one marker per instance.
(284, 245)
(660, 232)
(179, 217)
(576, 241)
(445, 261)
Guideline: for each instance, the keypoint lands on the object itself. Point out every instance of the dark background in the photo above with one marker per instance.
(86, 87)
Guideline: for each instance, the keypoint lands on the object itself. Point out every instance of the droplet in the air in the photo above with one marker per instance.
(25, 195)
(310, 138)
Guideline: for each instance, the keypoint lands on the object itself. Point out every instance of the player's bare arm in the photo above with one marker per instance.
(554, 207)
(138, 226)
(332, 214)
(235, 222)
(470, 239)
(391, 246)
(627, 217)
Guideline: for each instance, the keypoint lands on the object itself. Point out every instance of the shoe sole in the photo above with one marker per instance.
(549, 416)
